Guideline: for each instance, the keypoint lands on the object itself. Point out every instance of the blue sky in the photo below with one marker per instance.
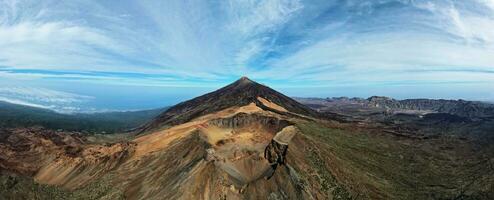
(93, 55)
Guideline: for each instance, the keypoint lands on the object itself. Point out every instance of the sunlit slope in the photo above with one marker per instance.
(380, 166)
(259, 150)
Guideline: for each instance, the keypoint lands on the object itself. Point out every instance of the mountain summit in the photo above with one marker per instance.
(247, 141)
(239, 93)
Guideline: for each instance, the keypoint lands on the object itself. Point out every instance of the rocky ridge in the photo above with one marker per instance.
(462, 108)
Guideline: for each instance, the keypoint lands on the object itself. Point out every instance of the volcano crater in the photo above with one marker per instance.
(238, 145)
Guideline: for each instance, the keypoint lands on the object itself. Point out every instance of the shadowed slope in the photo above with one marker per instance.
(240, 93)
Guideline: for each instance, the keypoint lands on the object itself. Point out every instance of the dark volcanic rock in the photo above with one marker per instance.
(275, 153)
(471, 109)
(240, 93)
(242, 119)
(344, 105)
(445, 118)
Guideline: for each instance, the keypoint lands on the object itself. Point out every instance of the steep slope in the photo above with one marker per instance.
(235, 149)
(240, 93)
(264, 147)
(236, 153)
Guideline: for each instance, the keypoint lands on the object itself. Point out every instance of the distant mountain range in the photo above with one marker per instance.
(462, 108)
(16, 116)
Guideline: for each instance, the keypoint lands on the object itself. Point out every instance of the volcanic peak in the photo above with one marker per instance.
(239, 93)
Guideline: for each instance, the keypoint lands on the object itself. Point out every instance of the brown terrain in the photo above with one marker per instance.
(244, 141)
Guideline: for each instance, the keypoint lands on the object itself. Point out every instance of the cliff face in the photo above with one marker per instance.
(244, 120)
(462, 108)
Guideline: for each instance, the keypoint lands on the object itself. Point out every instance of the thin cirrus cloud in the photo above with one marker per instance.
(284, 43)
(43, 98)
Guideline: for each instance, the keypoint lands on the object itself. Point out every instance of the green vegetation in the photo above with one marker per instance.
(327, 181)
(14, 116)
(380, 166)
(15, 187)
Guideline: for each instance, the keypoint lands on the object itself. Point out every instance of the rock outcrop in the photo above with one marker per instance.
(243, 119)
(277, 149)
(59, 158)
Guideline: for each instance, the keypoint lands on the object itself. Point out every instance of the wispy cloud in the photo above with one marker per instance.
(21, 102)
(43, 98)
(283, 42)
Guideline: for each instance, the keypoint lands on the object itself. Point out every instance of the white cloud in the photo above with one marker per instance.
(54, 45)
(251, 17)
(471, 25)
(306, 41)
(487, 3)
(24, 103)
(254, 25)
(42, 95)
(382, 57)
(42, 98)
